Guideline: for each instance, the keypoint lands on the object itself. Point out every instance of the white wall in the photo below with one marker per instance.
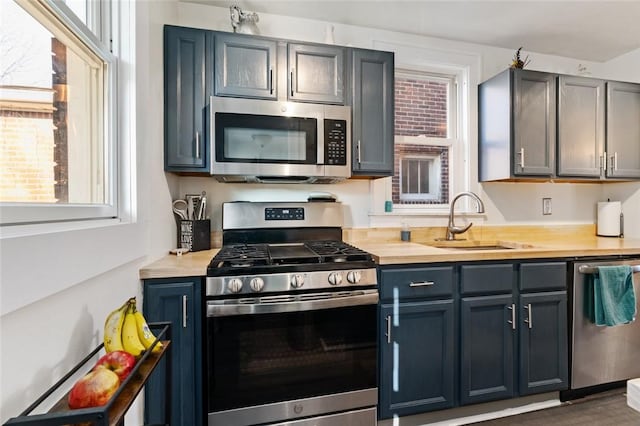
(505, 202)
(625, 68)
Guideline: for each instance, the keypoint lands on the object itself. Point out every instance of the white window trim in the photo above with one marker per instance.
(40, 260)
(458, 153)
(428, 57)
(16, 214)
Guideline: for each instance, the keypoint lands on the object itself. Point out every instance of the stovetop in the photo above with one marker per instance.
(242, 259)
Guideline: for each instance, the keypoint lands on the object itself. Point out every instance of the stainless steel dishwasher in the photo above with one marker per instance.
(601, 355)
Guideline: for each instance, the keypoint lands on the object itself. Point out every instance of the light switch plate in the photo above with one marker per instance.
(546, 206)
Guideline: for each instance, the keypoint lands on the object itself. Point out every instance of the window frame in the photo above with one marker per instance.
(434, 178)
(457, 139)
(57, 14)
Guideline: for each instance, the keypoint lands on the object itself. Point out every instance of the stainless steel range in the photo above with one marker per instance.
(291, 319)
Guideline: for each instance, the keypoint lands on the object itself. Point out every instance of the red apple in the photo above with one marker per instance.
(94, 389)
(120, 362)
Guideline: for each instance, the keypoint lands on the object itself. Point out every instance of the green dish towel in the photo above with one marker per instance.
(611, 298)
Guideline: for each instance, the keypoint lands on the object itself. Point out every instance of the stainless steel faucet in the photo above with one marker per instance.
(452, 229)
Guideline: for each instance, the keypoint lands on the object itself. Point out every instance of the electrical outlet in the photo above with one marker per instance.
(546, 206)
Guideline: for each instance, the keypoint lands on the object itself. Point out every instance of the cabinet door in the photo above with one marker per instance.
(373, 113)
(543, 342)
(417, 357)
(580, 126)
(487, 339)
(316, 73)
(623, 130)
(245, 66)
(185, 99)
(178, 303)
(534, 123)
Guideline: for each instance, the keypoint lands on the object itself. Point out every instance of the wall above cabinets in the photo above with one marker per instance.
(539, 126)
(202, 66)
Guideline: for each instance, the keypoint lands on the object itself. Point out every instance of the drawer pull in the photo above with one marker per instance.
(388, 333)
(512, 308)
(421, 283)
(528, 320)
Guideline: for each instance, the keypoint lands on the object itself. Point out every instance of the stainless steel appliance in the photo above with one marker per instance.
(274, 141)
(602, 355)
(291, 319)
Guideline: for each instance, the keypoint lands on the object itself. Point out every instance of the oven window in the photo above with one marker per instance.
(265, 139)
(260, 359)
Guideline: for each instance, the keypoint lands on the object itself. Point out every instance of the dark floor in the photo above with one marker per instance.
(605, 409)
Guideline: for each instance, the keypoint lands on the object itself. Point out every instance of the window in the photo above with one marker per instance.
(57, 143)
(426, 129)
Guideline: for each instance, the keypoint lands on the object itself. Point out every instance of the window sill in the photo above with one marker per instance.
(41, 260)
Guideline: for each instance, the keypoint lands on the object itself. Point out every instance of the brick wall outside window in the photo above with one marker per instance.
(26, 157)
(420, 109)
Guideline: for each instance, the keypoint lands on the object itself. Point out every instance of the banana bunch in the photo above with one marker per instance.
(125, 329)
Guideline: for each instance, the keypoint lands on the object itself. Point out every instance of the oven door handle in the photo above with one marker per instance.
(305, 303)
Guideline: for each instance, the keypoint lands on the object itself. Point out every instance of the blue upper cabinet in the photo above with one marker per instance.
(245, 66)
(316, 73)
(185, 100)
(373, 113)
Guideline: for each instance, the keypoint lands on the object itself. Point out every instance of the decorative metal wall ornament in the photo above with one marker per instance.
(243, 22)
(519, 63)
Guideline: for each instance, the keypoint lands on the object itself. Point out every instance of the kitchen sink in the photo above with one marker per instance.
(477, 245)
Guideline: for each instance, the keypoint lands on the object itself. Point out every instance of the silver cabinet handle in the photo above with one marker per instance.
(604, 155)
(528, 320)
(358, 149)
(388, 333)
(271, 81)
(197, 144)
(421, 283)
(614, 160)
(522, 157)
(292, 83)
(512, 308)
(184, 311)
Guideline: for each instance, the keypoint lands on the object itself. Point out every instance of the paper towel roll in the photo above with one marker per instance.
(609, 219)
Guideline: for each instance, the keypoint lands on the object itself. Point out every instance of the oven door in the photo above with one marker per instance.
(286, 357)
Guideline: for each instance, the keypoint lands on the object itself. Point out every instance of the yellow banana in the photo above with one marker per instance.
(130, 340)
(144, 333)
(113, 329)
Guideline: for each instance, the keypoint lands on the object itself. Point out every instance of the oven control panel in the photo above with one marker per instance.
(284, 213)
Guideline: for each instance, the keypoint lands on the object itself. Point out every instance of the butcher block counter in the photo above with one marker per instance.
(524, 242)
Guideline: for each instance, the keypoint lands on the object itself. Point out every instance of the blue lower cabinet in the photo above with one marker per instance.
(487, 333)
(543, 342)
(417, 357)
(176, 301)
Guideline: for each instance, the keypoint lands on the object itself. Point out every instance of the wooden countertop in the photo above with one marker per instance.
(531, 242)
(188, 265)
(409, 252)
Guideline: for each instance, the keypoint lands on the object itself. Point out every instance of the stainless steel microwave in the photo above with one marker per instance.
(273, 141)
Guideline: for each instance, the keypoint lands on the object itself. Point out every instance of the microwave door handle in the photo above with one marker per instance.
(225, 310)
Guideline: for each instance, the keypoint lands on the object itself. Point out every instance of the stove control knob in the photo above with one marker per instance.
(257, 284)
(235, 285)
(335, 278)
(354, 276)
(297, 281)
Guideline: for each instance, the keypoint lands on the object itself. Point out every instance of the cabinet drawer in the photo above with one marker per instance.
(543, 276)
(416, 282)
(481, 279)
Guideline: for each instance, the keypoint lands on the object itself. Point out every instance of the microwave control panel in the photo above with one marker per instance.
(335, 142)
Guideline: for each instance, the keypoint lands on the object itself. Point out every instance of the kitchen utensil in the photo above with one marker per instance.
(180, 209)
(203, 206)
